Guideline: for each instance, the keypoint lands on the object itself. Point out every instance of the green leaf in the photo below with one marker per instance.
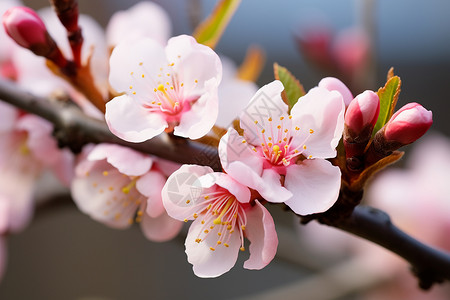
(293, 89)
(388, 99)
(210, 30)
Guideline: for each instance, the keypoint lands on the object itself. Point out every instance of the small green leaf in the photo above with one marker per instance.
(210, 30)
(388, 99)
(293, 89)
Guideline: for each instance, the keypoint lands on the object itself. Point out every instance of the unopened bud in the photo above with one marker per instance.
(334, 84)
(27, 29)
(408, 124)
(360, 118)
(362, 113)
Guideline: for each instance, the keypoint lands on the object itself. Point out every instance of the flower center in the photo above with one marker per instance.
(277, 145)
(222, 213)
(164, 93)
(122, 197)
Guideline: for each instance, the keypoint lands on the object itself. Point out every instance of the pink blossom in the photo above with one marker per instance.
(27, 148)
(345, 52)
(222, 216)
(172, 88)
(144, 19)
(117, 186)
(408, 124)
(283, 156)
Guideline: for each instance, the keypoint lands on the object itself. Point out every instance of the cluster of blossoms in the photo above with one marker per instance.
(279, 153)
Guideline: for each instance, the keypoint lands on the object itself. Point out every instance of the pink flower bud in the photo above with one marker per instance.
(362, 112)
(25, 27)
(408, 124)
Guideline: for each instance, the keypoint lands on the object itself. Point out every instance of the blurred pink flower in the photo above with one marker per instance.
(117, 186)
(222, 216)
(142, 20)
(344, 54)
(234, 93)
(26, 149)
(283, 156)
(172, 89)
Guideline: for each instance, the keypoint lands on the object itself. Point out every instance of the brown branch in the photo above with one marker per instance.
(74, 129)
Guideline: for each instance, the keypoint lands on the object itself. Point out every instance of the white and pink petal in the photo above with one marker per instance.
(260, 231)
(322, 112)
(266, 103)
(130, 60)
(150, 185)
(160, 229)
(130, 121)
(206, 262)
(194, 63)
(200, 118)
(126, 160)
(315, 185)
(181, 193)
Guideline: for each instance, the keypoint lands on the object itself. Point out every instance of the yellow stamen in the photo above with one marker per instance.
(276, 148)
(126, 189)
(218, 221)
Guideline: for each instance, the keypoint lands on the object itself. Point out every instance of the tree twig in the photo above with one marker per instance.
(74, 129)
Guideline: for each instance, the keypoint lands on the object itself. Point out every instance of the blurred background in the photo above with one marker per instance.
(66, 255)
